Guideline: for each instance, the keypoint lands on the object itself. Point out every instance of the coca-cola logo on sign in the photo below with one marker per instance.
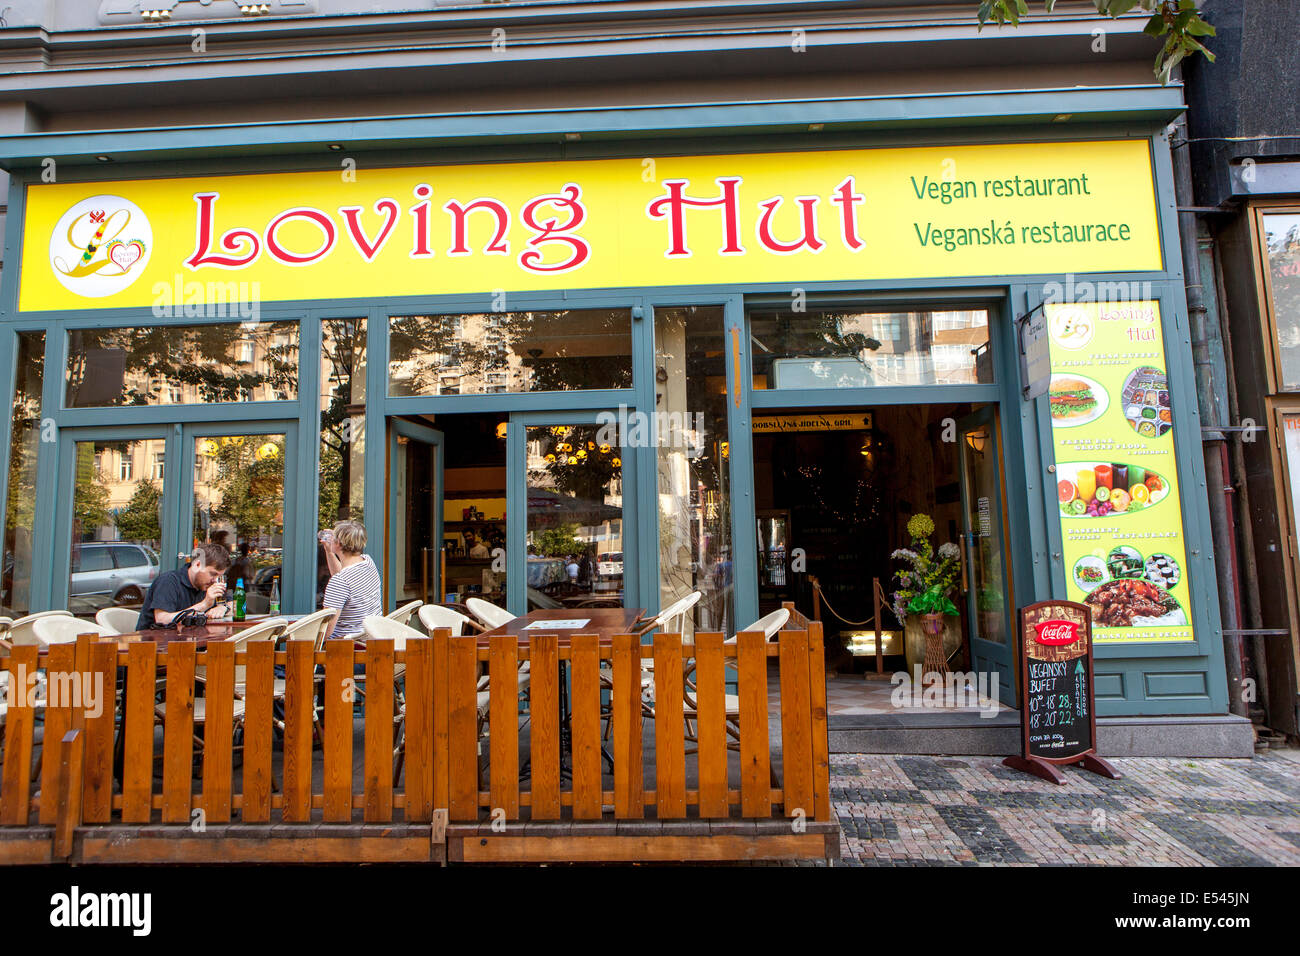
(1056, 633)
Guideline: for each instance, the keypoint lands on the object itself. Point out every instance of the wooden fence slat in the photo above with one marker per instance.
(339, 699)
(60, 677)
(670, 742)
(629, 800)
(178, 733)
(796, 725)
(503, 723)
(299, 691)
(441, 796)
(711, 724)
(259, 686)
(97, 788)
(71, 753)
(544, 726)
(817, 703)
(462, 728)
(137, 748)
(218, 730)
(418, 731)
(19, 729)
(378, 760)
(584, 725)
(755, 758)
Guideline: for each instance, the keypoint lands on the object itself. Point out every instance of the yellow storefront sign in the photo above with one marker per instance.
(1117, 471)
(185, 244)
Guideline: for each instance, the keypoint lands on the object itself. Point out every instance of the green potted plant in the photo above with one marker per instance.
(932, 605)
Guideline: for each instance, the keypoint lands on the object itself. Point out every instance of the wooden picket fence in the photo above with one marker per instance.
(470, 790)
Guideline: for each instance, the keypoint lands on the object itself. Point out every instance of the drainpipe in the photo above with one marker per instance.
(1214, 448)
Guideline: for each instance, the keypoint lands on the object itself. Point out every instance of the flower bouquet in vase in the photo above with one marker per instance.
(923, 591)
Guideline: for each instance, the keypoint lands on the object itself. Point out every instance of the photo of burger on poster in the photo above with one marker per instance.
(1075, 400)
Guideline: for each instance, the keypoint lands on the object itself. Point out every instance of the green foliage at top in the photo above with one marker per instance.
(1178, 21)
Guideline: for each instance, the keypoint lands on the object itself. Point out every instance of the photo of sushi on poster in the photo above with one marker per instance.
(1116, 472)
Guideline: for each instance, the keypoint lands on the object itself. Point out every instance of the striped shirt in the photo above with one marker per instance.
(354, 591)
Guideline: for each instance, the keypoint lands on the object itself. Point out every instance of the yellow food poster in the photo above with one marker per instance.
(1116, 472)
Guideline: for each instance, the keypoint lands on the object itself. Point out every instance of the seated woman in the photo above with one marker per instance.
(354, 588)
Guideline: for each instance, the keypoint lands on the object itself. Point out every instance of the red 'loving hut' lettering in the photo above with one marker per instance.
(242, 247)
(674, 204)
(1055, 633)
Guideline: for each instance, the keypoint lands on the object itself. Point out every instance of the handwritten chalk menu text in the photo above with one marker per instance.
(1059, 709)
(1058, 721)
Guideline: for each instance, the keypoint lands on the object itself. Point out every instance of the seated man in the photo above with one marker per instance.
(199, 585)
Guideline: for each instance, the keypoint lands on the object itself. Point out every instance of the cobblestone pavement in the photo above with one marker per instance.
(971, 811)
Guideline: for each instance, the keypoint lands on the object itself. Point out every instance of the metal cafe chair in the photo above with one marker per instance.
(403, 614)
(122, 620)
(492, 618)
(22, 631)
(264, 630)
(770, 625)
(673, 615)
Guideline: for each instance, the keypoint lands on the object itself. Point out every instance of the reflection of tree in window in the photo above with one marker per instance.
(1283, 239)
(247, 488)
(343, 364)
(549, 351)
(220, 362)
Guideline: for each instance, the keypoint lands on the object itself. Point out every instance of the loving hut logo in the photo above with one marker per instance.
(100, 246)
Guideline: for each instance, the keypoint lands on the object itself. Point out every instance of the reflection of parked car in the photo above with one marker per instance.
(610, 564)
(118, 570)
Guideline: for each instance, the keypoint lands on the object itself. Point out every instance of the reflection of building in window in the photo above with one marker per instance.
(125, 466)
(891, 328)
(151, 363)
(510, 352)
(156, 472)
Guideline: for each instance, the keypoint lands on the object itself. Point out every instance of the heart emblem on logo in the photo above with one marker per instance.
(125, 254)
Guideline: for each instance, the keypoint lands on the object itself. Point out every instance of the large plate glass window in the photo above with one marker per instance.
(853, 348)
(20, 508)
(239, 504)
(490, 352)
(117, 517)
(182, 364)
(1282, 241)
(342, 430)
(693, 465)
(575, 552)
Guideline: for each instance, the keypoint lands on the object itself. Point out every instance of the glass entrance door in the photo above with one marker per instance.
(238, 498)
(415, 518)
(985, 578)
(115, 540)
(577, 540)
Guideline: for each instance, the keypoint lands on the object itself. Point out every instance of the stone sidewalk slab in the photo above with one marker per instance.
(972, 811)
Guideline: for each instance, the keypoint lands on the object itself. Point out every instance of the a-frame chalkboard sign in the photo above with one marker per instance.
(1058, 722)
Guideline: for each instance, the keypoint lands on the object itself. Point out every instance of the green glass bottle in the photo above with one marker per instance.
(239, 599)
(275, 595)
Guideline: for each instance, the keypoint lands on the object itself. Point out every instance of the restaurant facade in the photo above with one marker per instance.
(658, 330)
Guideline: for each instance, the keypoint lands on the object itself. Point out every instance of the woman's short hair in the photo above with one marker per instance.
(351, 536)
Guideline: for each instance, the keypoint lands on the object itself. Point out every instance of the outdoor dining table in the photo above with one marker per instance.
(603, 621)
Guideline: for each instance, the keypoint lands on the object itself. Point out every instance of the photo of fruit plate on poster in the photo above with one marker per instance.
(1116, 472)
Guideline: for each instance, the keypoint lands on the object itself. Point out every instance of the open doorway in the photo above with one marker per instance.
(838, 494)
(448, 530)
